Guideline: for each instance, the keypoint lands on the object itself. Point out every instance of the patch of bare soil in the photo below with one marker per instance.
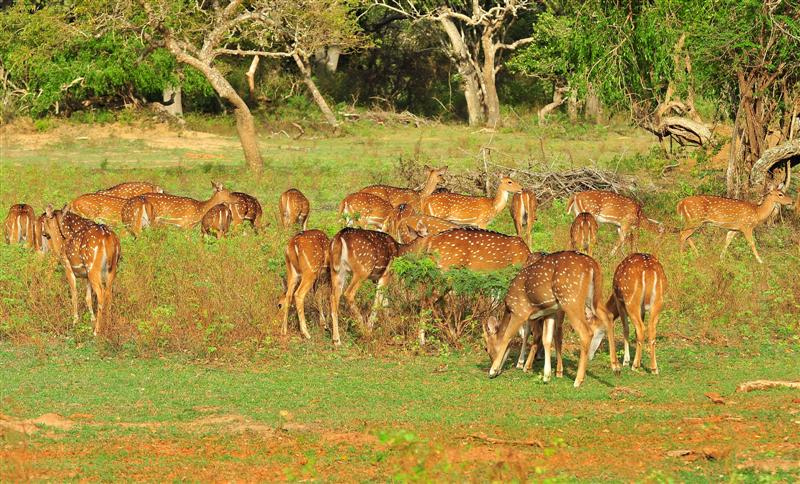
(34, 425)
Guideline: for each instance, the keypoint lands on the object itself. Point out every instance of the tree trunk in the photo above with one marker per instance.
(488, 75)
(171, 96)
(305, 70)
(469, 74)
(251, 76)
(572, 106)
(246, 128)
(558, 100)
(594, 109)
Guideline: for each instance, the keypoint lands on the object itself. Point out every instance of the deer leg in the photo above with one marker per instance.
(685, 237)
(559, 340)
(73, 289)
(320, 305)
(337, 283)
(651, 333)
(547, 343)
(299, 302)
(536, 338)
(577, 319)
(626, 361)
(286, 303)
(622, 232)
(512, 330)
(635, 313)
(99, 290)
(380, 298)
(90, 301)
(728, 238)
(524, 332)
(350, 298)
(305, 222)
(748, 235)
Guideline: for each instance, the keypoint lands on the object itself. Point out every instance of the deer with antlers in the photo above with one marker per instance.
(367, 254)
(728, 213)
(216, 221)
(306, 260)
(186, 212)
(468, 210)
(397, 196)
(561, 284)
(131, 189)
(523, 212)
(89, 251)
(364, 210)
(20, 225)
(294, 208)
(583, 232)
(246, 207)
(613, 208)
(638, 287)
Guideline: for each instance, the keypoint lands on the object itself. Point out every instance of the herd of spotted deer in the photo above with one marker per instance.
(384, 222)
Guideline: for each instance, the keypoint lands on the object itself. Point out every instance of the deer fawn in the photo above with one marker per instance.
(728, 213)
(367, 254)
(397, 196)
(613, 208)
(20, 225)
(183, 211)
(246, 207)
(405, 226)
(365, 210)
(131, 189)
(306, 260)
(554, 285)
(523, 212)
(294, 208)
(216, 221)
(583, 232)
(639, 284)
(137, 213)
(87, 250)
(467, 210)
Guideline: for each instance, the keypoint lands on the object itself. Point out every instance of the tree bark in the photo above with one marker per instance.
(251, 76)
(594, 109)
(305, 70)
(467, 70)
(558, 100)
(572, 106)
(173, 104)
(488, 74)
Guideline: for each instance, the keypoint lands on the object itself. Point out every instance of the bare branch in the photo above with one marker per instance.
(260, 53)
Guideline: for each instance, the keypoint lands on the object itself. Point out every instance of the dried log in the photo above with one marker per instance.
(485, 438)
(749, 386)
(787, 154)
(683, 130)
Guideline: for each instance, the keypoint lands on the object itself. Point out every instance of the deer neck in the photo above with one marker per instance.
(203, 207)
(430, 186)
(500, 200)
(765, 209)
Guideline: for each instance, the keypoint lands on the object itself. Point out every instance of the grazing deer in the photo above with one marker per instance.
(564, 283)
(99, 206)
(131, 189)
(367, 254)
(294, 208)
(365, 210)
(639, 284)
(20, 225)
(583, 232)
(472, 248)
(87, 250)
(397, 196)
(613, 208)
(728, 213)
(137, 213)
(405, 226)
(183, 211)
(467, 210)
(216, 221)
(246, 207)
(523, 212)
(306, 260)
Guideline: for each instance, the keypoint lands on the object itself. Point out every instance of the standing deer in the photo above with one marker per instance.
(583, 232)
(306, 260)
(294, 208)
(365, 210)
(89, 251)
(728, 213)
(20, 225)
(523, 212)
(472, 248)
(397, 196)
(467, 210)
(41, 242)
(246, 207)
(367, 254)
(564, 283)
(216, 221)
(613, 208)
(137, 213)
(639, 285)
(131, 189)
(183, 211)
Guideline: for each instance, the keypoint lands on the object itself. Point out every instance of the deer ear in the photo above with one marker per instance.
(780, 186)
(443, 169)
(49, 210)
(492, 325)
(65, 209)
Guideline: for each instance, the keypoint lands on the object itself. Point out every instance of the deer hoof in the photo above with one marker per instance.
(520, 365)
(560, 374)
(577, 383)
(493, 373)
(654, 371)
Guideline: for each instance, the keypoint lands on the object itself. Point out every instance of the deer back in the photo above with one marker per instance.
(293, 206)
(137, 212)
(132, 189)
(246, 207)
(20, 224)
(475, 249)
(639, 279)
(217, 219)
(607, 207)
(184, 211)
(583, 231)
(99, 206)
(368, 208)
(84, 245)
(367, 252)
(308, 251)
(523, 206)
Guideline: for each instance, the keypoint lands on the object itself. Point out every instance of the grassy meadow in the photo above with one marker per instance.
(195, 381)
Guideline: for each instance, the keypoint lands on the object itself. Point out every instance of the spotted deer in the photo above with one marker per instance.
(472, 248)
(137, 213)
(306, 258)
(131, 189)
(99, 206)
(20, 225)
(583, 232)
(405, 225)
(41, 242)
(397, 196)
(638, 287)
(89, 251)
(365, 210)
(366, 254)
(468, 210)
(728, 213)
(186, 212)
(613, 208)
(523, 212)
(561, 284)
(294, 208)
(216, 221)
(246, 207)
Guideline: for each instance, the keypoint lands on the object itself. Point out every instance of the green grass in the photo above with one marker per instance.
(195, 381)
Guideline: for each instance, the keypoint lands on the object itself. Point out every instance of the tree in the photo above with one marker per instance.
(476, 33)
